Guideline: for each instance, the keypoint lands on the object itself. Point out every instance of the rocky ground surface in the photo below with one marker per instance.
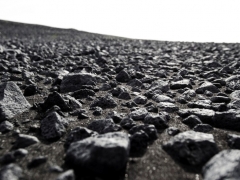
(75, 105)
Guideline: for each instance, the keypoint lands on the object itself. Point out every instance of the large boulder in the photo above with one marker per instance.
(74, 81)
(224, 165)
(102, 155)
(12, 101)
(191, 148)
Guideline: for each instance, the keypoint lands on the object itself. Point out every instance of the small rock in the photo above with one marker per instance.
(30, 90)
(233, 82)
(77, 134)
(138, 143)
(53, 126)
(12, 102)
(207, 86)
(115, 116)
(102, 155)
(172, 131)
(123, 76)
(180, 84)
(192, 121)
(103, 126)
(127, 123)
(233, 141)
(220, 99)
(97, 111)
(162, 98)
(11, 172)
(6, 126)
(157, 120)
(191, 148)
(149, 129)
(24, 140)
(124, 95)
(205, 115)
(37, 161)
(104, 102)
(205, 128)
(74, 81)
(67, 175)
(168, 107)
(140, 100)
(235, 95)
(138, 114)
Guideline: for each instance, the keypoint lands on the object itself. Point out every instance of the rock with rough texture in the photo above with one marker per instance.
(149, 129)
(127, 123)
(12, 101)
(157, 120)
(233, 141)
(37, 161)
(78, 134)
(138, 114)
(103, 126)
(191, 148)
(65, 103)
(140, 100)
(67, 175)
(168, 107)
(207, 86)
(233, 82)
(161, 85)
(74, 81)
(180, 84)
(53, 126)
(205, 128)
(11, 172)
(162, 98)
(227, 120)
(106, 101)
(192, 121)
(235, 95)
(24, 140)
(224, 165)
(102, 155)
(172, 131)
(123, 76)
(139, 142)
(6, 126)
(205, 115)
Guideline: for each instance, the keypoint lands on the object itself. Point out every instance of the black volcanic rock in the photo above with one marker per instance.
(77, 134)
(191, 148)
(103, 126)
(106, 101)
(74, 81)
(103, 155)
(53, 126)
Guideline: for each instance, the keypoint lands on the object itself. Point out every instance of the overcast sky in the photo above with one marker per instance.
(171, 20)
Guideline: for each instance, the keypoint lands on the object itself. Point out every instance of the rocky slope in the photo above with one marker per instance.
(76, 105)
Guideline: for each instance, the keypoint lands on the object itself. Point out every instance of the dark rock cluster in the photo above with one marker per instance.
(75, 105)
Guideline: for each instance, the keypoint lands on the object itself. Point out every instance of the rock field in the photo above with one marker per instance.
(76, 105)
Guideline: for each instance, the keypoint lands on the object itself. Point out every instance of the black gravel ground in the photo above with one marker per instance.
(76, 105)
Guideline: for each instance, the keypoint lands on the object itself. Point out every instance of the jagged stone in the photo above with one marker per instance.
(102, 155)
(12, 101)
